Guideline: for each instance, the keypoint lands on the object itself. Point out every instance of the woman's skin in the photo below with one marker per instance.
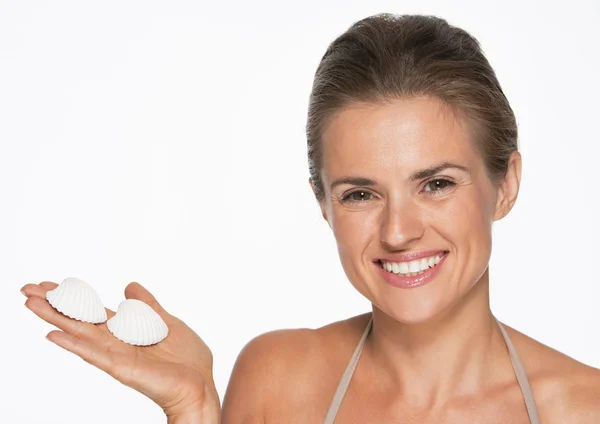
(435, 353)
(175, 373)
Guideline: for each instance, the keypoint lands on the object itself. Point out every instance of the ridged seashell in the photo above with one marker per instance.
(137, 323)
(78, 300)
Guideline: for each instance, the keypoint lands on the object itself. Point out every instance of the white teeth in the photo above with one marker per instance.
(413, 267)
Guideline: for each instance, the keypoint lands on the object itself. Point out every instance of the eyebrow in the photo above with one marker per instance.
(419, 175)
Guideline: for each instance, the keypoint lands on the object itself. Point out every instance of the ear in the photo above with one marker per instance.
(321, 204)
(509, 188)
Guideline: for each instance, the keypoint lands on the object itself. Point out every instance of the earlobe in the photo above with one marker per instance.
(509, 188)
(324, 214)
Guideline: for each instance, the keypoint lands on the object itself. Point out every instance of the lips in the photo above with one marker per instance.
(404, 282)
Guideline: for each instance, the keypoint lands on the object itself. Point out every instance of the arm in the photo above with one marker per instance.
(259, 386)
(582, 404)
(574, 398)
(245, 397)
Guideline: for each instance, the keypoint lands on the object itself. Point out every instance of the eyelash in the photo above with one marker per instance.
(347, 198)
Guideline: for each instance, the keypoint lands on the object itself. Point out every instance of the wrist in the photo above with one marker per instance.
(206, 411)
(204, 415)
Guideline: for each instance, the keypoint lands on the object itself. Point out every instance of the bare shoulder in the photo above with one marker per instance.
(565, 390)
(275, 372)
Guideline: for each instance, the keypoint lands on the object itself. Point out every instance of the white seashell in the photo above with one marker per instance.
(78, 300)
(137, 323)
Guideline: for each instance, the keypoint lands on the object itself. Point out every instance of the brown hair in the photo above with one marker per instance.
(385, 57)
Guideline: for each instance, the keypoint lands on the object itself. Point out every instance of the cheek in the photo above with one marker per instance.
(468, 224)
(353, 230)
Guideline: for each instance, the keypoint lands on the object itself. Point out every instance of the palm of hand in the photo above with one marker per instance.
(175, 373)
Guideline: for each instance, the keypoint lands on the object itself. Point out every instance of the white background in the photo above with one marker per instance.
(163, 142)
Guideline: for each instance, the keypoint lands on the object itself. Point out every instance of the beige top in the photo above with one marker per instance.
(514, 359)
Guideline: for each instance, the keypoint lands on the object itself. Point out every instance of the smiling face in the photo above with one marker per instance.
(381, 204)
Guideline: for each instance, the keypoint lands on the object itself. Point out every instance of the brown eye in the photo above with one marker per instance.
(357, 196)
(439, 184)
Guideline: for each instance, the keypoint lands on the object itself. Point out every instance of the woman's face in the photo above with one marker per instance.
(381, 209)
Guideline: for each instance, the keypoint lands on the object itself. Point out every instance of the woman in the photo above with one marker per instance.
(413, 155)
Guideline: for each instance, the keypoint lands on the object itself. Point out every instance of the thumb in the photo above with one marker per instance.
(137, 291)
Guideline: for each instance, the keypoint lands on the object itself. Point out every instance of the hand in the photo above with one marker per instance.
(175, 373)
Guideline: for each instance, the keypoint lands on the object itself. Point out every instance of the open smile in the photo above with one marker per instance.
(413, 273)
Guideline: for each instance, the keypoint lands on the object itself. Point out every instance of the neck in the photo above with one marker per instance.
(455, 354)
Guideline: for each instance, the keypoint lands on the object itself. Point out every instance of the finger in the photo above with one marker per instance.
(38, 289)
(45, 311)
(34, 290)
(137, 291)
(48, 285)
(82, 348)
(41, 289)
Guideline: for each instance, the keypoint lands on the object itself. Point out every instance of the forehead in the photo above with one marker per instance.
(401, 135)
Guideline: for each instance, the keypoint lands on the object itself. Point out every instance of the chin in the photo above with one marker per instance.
(412, 306)
(418, 306)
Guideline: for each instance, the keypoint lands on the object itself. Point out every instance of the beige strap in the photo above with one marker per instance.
(345, 381)
(522, 379)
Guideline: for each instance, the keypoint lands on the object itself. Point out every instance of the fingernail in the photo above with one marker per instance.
(23, 293)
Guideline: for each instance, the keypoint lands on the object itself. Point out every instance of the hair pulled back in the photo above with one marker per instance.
(386, 57)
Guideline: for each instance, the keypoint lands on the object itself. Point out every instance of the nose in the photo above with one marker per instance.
(401, 223)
